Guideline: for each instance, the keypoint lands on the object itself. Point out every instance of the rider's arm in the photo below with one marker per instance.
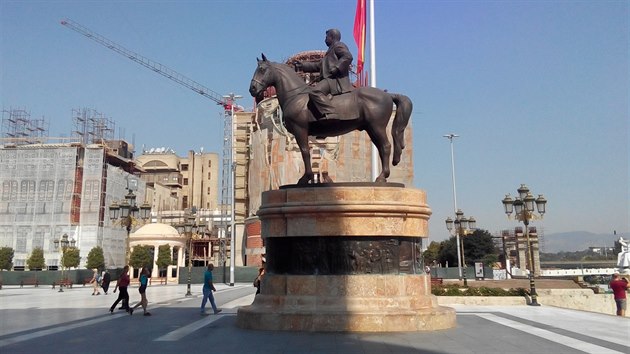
(344, 59)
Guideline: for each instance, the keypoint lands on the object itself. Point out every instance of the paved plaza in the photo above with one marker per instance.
(43, 320)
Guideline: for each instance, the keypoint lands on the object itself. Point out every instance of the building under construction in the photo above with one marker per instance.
(52, 187)
(62, 186)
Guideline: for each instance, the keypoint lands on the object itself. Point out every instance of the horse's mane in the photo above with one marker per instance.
(288, 72)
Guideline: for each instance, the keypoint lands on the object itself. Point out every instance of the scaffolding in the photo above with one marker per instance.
(20, 128)
(92, 127)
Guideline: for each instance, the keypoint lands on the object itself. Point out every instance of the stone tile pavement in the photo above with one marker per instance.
(42, 320)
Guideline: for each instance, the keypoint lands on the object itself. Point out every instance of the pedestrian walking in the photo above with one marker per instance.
(144, 281)
(208, 288)
(96, 278)
(619, 287)
(107, 278)
(123, 295)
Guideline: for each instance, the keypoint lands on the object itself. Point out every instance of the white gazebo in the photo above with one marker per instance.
(156, 235)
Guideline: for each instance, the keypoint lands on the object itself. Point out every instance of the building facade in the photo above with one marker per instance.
(192, 181)
(50, 190)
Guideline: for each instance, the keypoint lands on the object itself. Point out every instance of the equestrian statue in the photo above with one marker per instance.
(310, 111)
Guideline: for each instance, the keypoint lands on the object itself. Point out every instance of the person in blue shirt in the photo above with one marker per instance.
(208, 288)
(144, 280)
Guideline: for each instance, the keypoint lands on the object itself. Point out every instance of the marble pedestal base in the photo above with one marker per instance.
(348, 303)
(345, 258)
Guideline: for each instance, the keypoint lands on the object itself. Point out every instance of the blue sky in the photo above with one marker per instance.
(537, 90)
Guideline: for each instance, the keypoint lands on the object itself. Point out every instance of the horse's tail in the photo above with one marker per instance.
(403, 113)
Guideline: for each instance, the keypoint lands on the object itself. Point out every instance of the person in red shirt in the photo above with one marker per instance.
(122, 284)
(619, 286)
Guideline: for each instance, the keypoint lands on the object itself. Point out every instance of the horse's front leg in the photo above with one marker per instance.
(301, 139)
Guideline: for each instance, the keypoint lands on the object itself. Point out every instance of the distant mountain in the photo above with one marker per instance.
(578, 241)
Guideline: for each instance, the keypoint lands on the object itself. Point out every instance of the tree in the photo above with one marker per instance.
(141, 257)
(448, 252)
(95, 258)
(6, 258)
(36, 260)
(164, 257)
(71, 258)
(432, 253)
(479, 247)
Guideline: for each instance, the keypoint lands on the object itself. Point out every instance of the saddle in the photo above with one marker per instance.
(346, 105)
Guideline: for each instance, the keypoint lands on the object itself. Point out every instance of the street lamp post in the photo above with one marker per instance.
(523, 206)
(127, 212)
(62, 244)
(191, 227)
(460, 227)
(450, 137)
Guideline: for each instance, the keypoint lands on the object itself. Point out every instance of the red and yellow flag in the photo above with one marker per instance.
(359, 33)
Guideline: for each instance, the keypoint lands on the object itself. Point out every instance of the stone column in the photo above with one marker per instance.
(155, 272)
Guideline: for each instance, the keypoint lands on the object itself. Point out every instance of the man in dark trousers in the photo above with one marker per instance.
(334, 69)
(123, 295)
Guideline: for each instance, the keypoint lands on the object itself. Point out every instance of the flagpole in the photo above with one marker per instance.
(375, 158)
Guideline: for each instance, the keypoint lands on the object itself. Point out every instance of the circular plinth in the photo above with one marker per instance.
(345, 258)
(345, 210)
(355, 303)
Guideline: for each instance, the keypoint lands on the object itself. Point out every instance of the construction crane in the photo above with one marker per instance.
(229, 107)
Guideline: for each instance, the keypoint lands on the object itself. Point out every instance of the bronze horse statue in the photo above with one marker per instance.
(373, 108)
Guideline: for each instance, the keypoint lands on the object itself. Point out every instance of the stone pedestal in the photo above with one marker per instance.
(345, 257)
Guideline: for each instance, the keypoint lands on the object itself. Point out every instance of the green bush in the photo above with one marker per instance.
(456, 290)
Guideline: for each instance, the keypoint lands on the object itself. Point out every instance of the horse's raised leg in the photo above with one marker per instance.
(378, 135)
(302, 140)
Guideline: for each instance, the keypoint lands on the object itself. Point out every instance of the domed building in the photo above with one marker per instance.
(156, 235)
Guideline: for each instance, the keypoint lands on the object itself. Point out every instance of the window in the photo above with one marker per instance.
(209, 175)
(185, 181)
(42, 190)
(38, 239)
(61, 188)
(23, 190)
(50, 190)
(91, 190)
(209, 163)
(6, 190)
(184, 167)
(20, 246)
(46, 189)
(14, 190)
(69, 190)
(31, 190)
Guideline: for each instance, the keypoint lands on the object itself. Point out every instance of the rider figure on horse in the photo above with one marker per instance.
(334, 69)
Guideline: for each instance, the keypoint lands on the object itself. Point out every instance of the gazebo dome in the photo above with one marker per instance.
(156, 230)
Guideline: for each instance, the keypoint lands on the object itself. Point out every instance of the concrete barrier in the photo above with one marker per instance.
(575, 299)
(578, 299)
(482, 300)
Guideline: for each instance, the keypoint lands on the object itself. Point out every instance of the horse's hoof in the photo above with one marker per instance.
(381, 180)
(303, 181)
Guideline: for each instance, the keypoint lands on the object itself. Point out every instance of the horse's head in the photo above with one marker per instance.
(262, 78)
